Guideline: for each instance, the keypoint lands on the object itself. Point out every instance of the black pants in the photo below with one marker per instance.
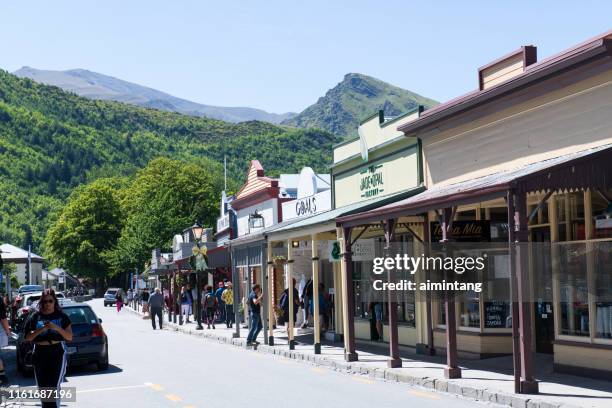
(210, 316)
(229, 315)
(157, 311)
(49, 367)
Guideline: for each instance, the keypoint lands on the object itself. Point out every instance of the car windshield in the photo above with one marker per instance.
(81, 315)
(111, 292)
(32, 299)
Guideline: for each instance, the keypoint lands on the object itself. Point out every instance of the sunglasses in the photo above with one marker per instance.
(48, 301)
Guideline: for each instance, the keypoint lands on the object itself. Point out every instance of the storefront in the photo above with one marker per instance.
(527, 156)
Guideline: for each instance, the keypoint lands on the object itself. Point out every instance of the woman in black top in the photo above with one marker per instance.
(49, 328)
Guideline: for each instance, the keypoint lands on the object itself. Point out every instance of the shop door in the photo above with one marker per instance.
(543, 307)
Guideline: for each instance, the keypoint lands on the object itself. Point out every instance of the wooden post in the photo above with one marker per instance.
(269, 281)
(315, 295)
(394, 360)
(428, 299)
(528, 383)
(516, 349)
(338, 302)
(350, 353)
(290, 319)
(265, 306)
(452, 369)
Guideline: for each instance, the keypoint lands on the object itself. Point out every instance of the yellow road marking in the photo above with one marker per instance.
(317, 370)
(124, 387)
(363, 380)
(424, 394)
(157, 387)
(189, 406)
(173, 397)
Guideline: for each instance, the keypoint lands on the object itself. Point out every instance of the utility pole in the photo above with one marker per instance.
(29, 274)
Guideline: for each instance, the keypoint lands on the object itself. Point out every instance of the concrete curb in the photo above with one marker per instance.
(387, 374)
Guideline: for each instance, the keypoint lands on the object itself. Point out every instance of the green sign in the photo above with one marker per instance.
(371, 182)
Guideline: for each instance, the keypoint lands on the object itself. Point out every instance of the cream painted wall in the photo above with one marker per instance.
(399, 173)
(268, 209)
(577, 356)
(574, 118)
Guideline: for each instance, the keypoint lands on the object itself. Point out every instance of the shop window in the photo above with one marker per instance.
(570, 209)
(602, 214)
(498, 217)
(497, 297)
(602, 253)
(573, 290)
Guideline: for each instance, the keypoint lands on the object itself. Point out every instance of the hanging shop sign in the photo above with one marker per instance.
(364, 250)
(333, 251)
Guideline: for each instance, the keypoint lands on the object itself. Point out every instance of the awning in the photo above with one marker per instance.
(590, 168)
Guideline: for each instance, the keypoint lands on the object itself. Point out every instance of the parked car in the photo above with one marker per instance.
(110, 297)
(89, 343)
(29, 288)
(25, 303)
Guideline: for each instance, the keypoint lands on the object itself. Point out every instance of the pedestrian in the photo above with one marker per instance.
(156, 306)
(322, 307)
(255, 298)
(228, 301)
(210, 306)
(119, 301)
(219, 296)
(49, 328)
(376, 311)
(306, 303)
(130, 297)
(145, 300)
(5, 333)
(284, 304)
(185, 298)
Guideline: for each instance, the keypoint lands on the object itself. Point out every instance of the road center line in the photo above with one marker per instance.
(424, 394)
(123, 387)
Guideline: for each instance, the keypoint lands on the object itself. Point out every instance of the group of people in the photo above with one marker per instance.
(216, 306)
(303, 299)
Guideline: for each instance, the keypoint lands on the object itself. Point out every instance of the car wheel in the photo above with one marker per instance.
(103, 365)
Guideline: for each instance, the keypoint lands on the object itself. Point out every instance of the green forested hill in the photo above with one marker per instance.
(355, 98)
(52, 141)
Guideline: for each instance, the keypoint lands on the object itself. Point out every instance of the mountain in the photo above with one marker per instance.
(353, 99)
(53, 142)
(98, 86)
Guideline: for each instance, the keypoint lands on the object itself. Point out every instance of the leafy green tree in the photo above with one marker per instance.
(89, 225)
(163, 199)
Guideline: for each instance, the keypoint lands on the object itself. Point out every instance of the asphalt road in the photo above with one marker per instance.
(165, 368)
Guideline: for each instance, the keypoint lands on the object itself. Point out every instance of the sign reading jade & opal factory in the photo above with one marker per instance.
(371, 181)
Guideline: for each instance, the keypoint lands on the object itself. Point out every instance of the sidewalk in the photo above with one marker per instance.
(482, 380)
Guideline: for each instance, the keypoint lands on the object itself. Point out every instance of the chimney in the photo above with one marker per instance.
(506, 67)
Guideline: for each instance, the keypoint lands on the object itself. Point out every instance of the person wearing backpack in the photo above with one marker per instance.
(185, 303)
(284, 303)
(228, 299)
(255, 299)
(210, 304)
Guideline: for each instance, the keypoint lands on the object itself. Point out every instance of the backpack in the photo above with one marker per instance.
(284, 301)
(210, 301)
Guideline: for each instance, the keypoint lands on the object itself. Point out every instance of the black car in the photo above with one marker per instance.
(89, 343)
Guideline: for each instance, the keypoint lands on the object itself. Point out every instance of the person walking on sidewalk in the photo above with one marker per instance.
(5, 334)
(255, 298)
(210, 306)
(145, 300)
(228, 300)
(119, 301)
(219, 295)
(130, 297)
(185, 302)
(156, 306)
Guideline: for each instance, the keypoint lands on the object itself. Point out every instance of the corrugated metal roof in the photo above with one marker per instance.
(499, 181)
(12, 252)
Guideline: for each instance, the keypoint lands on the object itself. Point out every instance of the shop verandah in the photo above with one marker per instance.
(545, 201)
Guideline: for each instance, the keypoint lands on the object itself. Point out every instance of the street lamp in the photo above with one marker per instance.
(198, 262)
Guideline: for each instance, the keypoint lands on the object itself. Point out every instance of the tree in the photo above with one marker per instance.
(164, 198)
(89, 225)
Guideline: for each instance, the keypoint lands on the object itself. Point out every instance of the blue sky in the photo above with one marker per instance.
(283, 55)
